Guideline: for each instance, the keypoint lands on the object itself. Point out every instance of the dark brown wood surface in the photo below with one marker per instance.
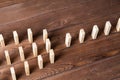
(93, 60)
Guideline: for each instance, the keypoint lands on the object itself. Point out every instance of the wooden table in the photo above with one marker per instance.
(93, 60)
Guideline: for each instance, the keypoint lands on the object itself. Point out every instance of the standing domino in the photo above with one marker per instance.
(7, 56)
(81, 35)
(16, 38)
(45, 35)
(21, 52)
(118, 25)
(48, 45)
(27, 69)
(52, 56)
(12, 71)
(95, 31)
(35, 49)
(30, 35)
(68, 39)
(2, 42)
(40, 62)
(107, 28)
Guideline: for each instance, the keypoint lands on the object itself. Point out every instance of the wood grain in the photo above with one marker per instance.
(93, 60)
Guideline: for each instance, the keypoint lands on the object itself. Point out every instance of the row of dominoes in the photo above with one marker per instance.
(16, 38)
(35, 53)
(94, 34)
(47, 42)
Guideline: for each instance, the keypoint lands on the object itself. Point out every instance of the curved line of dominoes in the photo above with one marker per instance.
(47, 42)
